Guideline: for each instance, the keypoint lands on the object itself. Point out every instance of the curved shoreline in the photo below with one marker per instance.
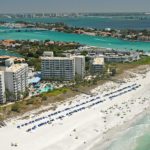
(117, 131)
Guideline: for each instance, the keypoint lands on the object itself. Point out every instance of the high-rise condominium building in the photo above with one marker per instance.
(80, 65)
(58, 68)
(16, 79)
(2, 88)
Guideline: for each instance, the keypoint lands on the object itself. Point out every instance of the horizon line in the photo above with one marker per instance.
(74, 12)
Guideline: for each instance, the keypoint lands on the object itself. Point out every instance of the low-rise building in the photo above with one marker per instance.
(110, 55)
(48, 54)
(122, 58)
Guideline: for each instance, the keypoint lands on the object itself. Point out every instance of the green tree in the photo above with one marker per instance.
(15, 107)
(84, 53)
(44, 97)
(113, 71)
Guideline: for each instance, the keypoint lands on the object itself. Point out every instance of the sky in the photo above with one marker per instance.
(22, 6)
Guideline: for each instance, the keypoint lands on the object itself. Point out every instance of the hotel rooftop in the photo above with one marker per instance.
(15, 67)
(98, 61)
(57, 58)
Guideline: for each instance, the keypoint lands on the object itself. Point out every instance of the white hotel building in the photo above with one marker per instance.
(2, 88)
(15, 79)
(80, 65)
(58, 68)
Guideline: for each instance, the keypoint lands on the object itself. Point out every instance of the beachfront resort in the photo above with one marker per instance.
(74, 81)
(19, 81)
(109, 105)
(113, 103)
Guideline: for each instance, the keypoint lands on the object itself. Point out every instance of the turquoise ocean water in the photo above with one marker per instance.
(106, 42)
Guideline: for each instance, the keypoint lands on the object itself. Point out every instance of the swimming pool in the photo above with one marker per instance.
(46, 89)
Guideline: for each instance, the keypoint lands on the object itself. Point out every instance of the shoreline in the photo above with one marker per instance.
(116, 132)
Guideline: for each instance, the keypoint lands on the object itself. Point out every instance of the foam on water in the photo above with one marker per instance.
(143, 142)
(130, 139)
(137, 137)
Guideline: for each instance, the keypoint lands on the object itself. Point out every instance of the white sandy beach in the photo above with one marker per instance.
(86, 120)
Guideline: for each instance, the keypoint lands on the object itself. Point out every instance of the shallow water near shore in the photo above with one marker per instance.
(136, 137)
